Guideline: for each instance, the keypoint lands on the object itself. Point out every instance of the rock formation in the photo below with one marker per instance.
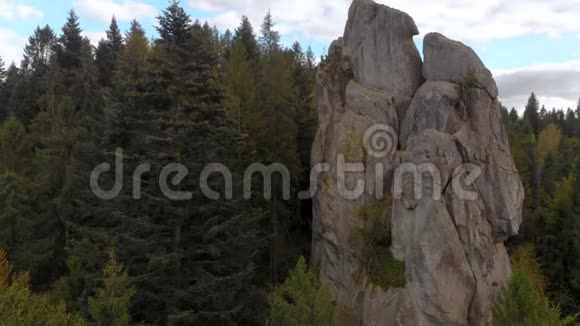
(444, 190)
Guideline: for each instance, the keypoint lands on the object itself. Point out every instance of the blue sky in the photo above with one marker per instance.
(529, 45)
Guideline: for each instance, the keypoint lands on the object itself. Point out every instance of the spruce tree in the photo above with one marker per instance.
(34, 67)
(174, 25)
(14, 93)
(301, 300)
(38, 51)
(304, 75)
(273, 132)
(194, 275)
(531, 114)
(270, 39)
(108, 52)
(245, 34)
(30, 233)
(240, 86)
(70, 43)
(3, 109)
(570, 124)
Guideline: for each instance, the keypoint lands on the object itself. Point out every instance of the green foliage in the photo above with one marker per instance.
(270, 38)
(522, 300)
(548, 142)
(110, 305)
(245, 35)
(531, 114)
(524, 261)
(385, 271)
(190, 97)
(19, 306)
(15, 147)
(374, 241)
(301, 300)
(545, 150)
(520, 303)
(70, 44)
(107, 54)
(240, 86)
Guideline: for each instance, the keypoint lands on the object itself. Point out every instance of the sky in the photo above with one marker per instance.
(529, 45)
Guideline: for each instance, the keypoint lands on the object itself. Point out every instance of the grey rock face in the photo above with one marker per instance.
(379, 48)
(436, 105)
(452, 61)
(448, 224)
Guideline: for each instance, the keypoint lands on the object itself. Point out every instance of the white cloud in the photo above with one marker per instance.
(95, 37)
(123, 10)
(557, 85)
(322, 20)
(14, 10)
(465, 20)
(11, 45)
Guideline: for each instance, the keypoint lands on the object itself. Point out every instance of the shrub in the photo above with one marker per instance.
(386, 271)
(374, 241)
(522, 300)
(521, 303)
(301, 300)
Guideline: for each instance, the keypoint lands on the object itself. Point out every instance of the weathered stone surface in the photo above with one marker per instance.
(379, 48)
(484, 142)
(436, 105)
(448, 222)
(454, 62)
(439, 278)
(344, 119)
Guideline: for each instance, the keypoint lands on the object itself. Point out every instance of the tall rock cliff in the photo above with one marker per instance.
(420, 190)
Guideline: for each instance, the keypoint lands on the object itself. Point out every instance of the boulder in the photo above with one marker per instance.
(454, 62)
(379, 48)
(436, 105)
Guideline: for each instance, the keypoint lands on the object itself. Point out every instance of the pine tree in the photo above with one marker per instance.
(531, 114)
(304, 75)
(310, 59)
(108, 52)
(301, 300)
(194, 275)
(15, 147)
(570, 124)
(3, 109)
(14, 93)
(174, 25)
(70, 43)
(514, 116)
(110, 305)
(39, 50)
(2, 73)
(273, 132)
(35, 65)
(240, 86)
(59, 132)
(245, 34)
(29, 234)
(270, 39)
(125, 99)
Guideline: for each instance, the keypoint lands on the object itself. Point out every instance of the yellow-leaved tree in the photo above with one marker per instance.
(19, 306)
